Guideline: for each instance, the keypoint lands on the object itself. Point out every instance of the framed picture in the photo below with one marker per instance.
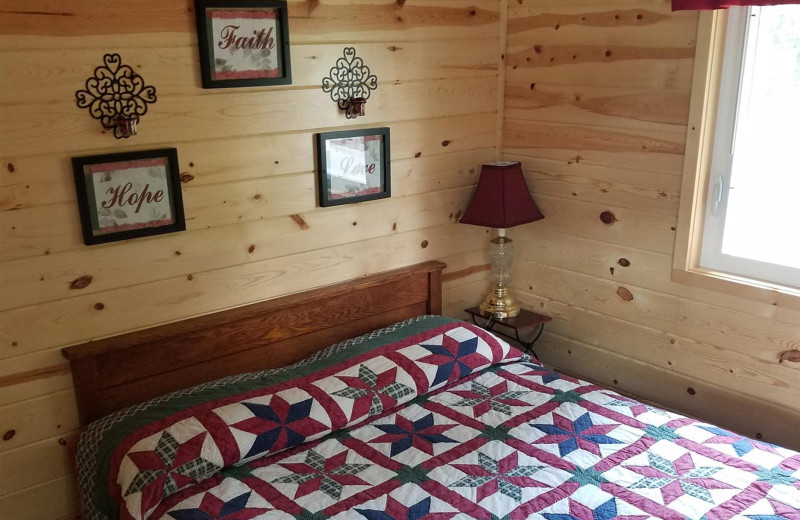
(129, 195)
(243, 43)
(353, 166)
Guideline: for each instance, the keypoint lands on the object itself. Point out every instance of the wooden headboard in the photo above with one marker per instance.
(116, 372)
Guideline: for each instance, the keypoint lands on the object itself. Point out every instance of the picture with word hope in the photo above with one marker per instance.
(130, 195)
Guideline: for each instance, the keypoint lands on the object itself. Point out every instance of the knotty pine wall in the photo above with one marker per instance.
(596, 106)
(254, 228)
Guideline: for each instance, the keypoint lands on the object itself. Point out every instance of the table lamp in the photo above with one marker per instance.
(501, 201)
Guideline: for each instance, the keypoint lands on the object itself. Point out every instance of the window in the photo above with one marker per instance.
(752, 211)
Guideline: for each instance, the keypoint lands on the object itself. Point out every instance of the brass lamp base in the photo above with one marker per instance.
(499, 303)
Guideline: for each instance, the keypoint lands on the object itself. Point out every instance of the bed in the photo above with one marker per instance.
(415, 416)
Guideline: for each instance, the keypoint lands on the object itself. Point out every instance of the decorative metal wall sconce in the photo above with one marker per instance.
(117, 96)
(350, 83)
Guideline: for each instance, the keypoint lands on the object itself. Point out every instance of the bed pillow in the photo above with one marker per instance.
(146, 458)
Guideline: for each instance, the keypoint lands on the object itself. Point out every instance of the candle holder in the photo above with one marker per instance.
(117, 96)
(350, 83)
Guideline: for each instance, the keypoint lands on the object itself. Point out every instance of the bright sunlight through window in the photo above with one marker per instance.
(752, 225)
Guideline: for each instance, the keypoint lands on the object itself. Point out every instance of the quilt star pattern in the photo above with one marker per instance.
(448, 423)
(189, 447)
(554, 448)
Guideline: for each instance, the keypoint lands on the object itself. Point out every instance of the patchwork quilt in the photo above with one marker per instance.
(429, 419)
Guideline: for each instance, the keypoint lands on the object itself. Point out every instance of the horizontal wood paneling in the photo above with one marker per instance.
(173, 70)
(631, 332)
(651, 192)
(254, 228)
(240, 112)
(211, 248)
(640, 229)
(39, 419)
(596, 107)
(38, 462)
(312, 20)
(43, 179)
(56, 499)
(633, 266)
(40, 326)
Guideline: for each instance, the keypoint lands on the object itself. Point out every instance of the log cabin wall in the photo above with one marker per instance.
(247, 158)
(596, 106)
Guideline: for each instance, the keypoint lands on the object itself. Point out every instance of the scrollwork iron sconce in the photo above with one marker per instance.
(117, 96)
(350, 83)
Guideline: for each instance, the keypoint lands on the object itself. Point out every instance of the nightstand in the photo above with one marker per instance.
(527, 322)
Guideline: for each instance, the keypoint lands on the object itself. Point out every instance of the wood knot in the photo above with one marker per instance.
(792, 356)
(251, 248)
(424, 244)
(625, 294)
(81, 283)
(607, 218)
(300, 221)
(9, 435)
(418, 155)
(691, 391)
(446, 142)
(10, 167)
(99, 306)
(62, 441)
(186, 177)
(624, 262)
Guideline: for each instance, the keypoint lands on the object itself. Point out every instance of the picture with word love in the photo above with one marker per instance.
(129, 195)
(243, 43)
(353, 166)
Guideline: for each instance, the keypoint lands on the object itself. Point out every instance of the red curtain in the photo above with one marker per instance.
(703, 5)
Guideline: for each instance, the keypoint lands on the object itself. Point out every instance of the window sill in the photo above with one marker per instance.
(739, 286)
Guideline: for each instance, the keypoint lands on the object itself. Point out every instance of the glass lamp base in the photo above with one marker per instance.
(499, 303)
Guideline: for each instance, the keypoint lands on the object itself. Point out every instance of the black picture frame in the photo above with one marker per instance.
(146, 180)
(340, 156)
(209, 40)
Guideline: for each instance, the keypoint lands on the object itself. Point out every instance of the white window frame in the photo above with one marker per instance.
(697, 175)
(738, 63)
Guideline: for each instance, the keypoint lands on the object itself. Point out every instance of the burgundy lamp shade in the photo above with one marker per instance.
(502, 199)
